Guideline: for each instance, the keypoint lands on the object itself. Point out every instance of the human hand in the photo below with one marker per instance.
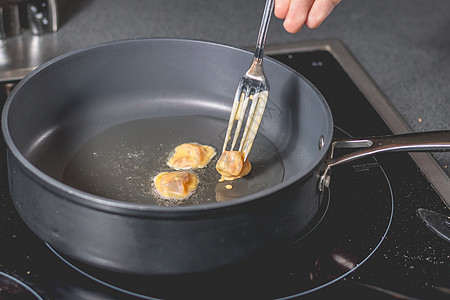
(296, 13)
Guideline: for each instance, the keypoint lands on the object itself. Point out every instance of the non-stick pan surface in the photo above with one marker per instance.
(77, 96)
(130, 90)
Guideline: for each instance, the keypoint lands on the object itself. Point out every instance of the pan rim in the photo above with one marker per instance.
(118, 206)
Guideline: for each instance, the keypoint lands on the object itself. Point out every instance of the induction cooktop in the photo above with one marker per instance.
(382, 234)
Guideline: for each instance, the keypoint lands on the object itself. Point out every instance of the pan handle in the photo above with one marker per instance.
(417, 142)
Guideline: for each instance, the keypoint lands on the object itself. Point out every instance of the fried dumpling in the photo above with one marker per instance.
(231, 165)
(191, 156)
(176, 185)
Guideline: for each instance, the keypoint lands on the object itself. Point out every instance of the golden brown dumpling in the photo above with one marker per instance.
(231, 165)
(177, 185)
(191, 156)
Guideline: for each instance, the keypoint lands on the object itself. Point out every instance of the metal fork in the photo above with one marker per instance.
(253, 87)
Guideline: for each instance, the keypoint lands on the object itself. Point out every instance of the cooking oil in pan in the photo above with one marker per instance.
(120, 162)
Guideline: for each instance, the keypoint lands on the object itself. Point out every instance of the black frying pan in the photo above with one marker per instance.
(87, 131)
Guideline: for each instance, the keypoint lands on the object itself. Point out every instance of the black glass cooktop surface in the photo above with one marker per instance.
(369, 243)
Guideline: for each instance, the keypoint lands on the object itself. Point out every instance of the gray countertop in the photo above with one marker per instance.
(404, 45)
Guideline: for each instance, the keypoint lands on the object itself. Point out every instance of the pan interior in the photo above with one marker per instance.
(59, 110)
(120, 162)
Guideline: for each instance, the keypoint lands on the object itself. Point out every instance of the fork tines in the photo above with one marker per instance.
(256, 91)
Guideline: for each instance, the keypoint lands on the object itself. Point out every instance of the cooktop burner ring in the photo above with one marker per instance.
(23, 291)
(336, 257)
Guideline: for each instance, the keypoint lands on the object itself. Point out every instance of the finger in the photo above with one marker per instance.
(281, 8)
(319, 11)
(297, 15)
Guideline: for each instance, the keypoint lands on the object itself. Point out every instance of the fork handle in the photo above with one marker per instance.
(268, 9)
